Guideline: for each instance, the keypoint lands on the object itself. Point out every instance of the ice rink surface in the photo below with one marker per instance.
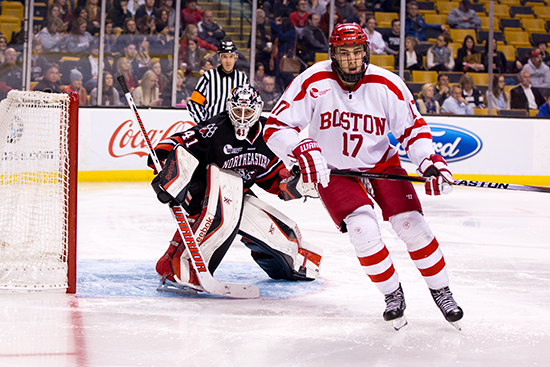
(496, 245)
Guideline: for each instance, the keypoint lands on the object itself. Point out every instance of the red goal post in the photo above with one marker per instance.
(38, 191)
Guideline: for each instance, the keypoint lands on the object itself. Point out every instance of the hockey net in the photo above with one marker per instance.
(38, 163)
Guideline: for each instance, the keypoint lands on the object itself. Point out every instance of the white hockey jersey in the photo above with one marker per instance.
(351, 127)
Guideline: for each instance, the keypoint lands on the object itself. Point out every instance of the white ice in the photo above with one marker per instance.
(496, 245)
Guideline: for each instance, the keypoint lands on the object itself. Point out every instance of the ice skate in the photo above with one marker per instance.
(444, 300)
(395, 307)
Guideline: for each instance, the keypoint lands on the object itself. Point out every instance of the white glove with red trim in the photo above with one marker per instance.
(313, 165)
(440, 178)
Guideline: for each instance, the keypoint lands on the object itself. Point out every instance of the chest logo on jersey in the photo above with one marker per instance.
(366, 123)
(245, 174)
(208, 130)
(246, 159)
(315, 93)
(228, 149)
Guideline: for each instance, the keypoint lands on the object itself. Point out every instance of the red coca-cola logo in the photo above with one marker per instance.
(127, 139)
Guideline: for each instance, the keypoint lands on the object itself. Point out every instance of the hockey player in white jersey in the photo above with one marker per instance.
(350, 107)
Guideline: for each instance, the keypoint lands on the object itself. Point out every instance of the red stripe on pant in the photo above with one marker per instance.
(376, 259)
(425, 251)
(433, 270)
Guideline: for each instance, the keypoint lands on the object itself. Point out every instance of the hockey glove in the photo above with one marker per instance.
(313, 165)
(293, 187)
(439, 177)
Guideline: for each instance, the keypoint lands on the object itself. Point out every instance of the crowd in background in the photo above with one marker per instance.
(139, 43)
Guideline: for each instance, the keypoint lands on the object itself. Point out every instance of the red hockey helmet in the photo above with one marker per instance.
(345, 35)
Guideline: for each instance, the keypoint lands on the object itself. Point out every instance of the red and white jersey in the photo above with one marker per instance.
(351, 127)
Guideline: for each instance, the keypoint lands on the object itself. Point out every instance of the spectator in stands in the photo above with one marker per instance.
(192, 14)
(286, 35)
(415, 24)
(413, 61)
(162, 19)
(162, 45)
(346, 10)
(142, 57)
(300, 17)
(118, 13)
(54, 11)
(456, 104)
(50, 80)
(206, 64)
(544, 110)
(269, 94)
(325, 20)
(467, 59)
(162, 80)
(376, 41)
(192, 32)
(3, 47)
(442, 91)
(64, 12)
(109, 95)
(500, 99)
(194, 55)
(313, 39)
(464, 17)
(499, 59)
(209, 30)
(168, 5)
(11, 74)
(392, 38)
(38, 61)
(426, 102)
(440, 56)
(76, 86)
(52, 36)
(259, 75)
(94, 13)
(146, 25)
(540, 72)
(82, 13)
(147, 94)
(283, 8)
(471, 94)
(525, 96)
(88, 65)
(124, 67)
(182, 95)
(148, 8)
(110, 38)
(263, 38)
(317, 7)
(545, 55)
(79, 40)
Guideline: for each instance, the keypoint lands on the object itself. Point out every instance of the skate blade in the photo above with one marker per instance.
(399, 323)
(172, 287)
(456, 325)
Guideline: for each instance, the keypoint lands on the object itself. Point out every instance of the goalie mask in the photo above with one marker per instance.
(351, 63)
(244, 106)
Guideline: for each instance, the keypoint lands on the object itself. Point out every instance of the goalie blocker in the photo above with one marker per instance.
(274, 239)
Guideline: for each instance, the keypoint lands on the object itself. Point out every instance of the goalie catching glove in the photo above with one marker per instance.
(439, 177)
(293, 187)
(313, 165)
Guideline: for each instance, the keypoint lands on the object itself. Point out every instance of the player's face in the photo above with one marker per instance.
(350, 58)
(242, 112)
(228, 61)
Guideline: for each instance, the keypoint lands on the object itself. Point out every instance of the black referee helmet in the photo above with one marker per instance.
(227, 46)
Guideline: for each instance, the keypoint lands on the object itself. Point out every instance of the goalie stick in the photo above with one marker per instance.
(206, 280)
(466, 183)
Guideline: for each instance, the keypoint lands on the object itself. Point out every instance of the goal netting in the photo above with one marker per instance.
(37, 216)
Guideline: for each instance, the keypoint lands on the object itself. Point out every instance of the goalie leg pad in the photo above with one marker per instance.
(217, 224)
(276, 243)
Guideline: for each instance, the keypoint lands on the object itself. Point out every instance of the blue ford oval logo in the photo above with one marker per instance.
(451, 142)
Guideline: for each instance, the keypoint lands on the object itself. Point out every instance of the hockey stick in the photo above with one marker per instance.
(207, 282)
(467, 183)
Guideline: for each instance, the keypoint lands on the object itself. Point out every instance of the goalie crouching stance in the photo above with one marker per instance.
(209, 170)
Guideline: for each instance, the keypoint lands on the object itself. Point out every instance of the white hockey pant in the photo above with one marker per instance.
(375, 258)
(276, 242)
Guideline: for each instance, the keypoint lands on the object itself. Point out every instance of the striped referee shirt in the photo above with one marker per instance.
(211, 93)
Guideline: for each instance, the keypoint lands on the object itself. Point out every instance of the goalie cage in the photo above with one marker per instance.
(38, 189)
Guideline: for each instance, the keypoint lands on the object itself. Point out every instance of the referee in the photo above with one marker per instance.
(215, 86)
